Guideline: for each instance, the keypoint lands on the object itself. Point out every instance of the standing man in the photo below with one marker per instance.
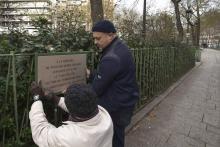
(114, 81)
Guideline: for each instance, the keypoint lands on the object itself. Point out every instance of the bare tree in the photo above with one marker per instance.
(197, 23)
(129, 24)
(108, 8)
(210, 26)
(144, 19)
(178, 19)
(160, 27)
(96, 10)
(196, 8)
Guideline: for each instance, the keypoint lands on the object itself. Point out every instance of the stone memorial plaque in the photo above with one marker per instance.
(57, 72)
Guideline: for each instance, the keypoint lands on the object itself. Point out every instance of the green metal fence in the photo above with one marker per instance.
(156, 70)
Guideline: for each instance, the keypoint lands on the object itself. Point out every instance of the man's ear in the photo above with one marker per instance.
(112, 35)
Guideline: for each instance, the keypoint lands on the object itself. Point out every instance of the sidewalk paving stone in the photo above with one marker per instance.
(189, 116)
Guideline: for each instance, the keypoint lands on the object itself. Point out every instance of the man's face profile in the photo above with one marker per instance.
(102, 39)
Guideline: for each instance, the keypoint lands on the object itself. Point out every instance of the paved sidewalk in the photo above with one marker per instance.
(189, 116)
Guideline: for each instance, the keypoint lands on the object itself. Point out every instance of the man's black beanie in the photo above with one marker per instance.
(104, 26)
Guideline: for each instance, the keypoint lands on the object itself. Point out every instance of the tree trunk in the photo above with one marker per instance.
(193, 33)
(197, 24)
(178, 20)
(144, 20)
(96, 10)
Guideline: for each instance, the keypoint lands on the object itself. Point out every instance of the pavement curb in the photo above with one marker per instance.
(149, 107)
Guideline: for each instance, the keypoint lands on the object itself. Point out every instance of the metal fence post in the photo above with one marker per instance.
(6, 96)
(15, 94)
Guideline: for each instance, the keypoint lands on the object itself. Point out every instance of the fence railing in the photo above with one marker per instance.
(156, 70)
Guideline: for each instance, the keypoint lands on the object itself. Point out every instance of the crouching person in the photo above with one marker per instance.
(89, 125)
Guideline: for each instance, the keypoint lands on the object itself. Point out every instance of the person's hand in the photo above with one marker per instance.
(87, 73)
(48, 94)
(53, 97)
(36, 91)
(39, 93)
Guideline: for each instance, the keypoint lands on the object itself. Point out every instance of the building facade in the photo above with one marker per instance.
(19, 13)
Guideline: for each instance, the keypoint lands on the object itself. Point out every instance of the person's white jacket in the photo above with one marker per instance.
(96, 132)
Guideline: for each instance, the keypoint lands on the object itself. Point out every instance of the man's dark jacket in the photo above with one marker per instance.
(115, 82)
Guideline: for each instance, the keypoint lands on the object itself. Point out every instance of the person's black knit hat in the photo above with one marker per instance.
(104, 26)
(81, 100)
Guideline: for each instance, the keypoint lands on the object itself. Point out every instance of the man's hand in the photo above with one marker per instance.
(87, 73)
(51, 96)
(37, 90)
